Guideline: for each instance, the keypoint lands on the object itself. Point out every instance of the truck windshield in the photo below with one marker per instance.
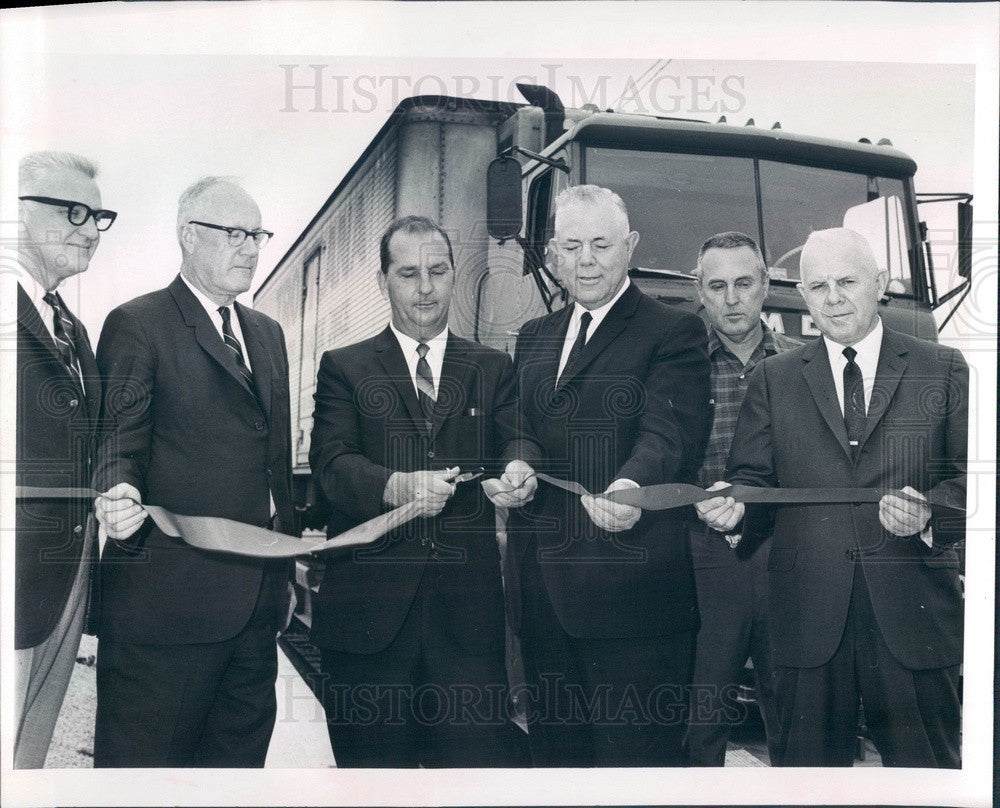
(676, 201)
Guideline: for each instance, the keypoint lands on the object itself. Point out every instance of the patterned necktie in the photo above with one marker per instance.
(63, 331)
(854, 400)
(425, 385)
(234, 345)
(577, 349)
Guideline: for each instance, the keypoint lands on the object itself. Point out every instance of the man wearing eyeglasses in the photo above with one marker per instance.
(197, 418)
(58, 398)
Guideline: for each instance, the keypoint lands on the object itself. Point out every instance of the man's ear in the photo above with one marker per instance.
(380, 280)
(882, 282)
(630, 241)
(802, 289)
(185, 233)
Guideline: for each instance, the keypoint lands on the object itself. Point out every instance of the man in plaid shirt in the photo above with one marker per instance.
(731, 578)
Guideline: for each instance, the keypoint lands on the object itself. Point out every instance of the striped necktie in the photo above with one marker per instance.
(234, 345)
(425, 385)
(63, 330)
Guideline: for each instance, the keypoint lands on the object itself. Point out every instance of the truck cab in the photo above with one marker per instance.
(683, 181)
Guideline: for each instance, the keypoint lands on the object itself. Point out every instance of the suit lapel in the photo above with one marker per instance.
(550, 340)
(88, 367)
(205, 332)
(257, 353)
(819, 377)
(892, 363)
(610, 327)
(390, 356)
(454, 372)
(30, 320)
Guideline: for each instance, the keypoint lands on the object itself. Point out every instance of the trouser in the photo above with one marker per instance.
(422, 701)
(197, 705)
(732, 601)
(44, 671)
(601, 702)
(914, 716)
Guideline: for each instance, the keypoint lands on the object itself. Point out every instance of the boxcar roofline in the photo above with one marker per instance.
(425, 105)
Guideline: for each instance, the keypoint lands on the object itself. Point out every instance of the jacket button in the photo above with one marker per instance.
(78, 530)
(258, 425)
(430, 454)
(269, 473)
(74, 403)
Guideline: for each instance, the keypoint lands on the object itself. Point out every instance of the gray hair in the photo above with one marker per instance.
(195, 191)
(731, 240)
(590, 194)
(33, 166)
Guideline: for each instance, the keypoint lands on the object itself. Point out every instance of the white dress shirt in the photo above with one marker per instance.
(212, 309)
(598, 315)
(868, 350)
(435, 355)
(36, 293)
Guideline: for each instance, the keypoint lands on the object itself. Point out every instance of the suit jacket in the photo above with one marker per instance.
(56, 424)
(791, 432)
(368, 424)
(634, 405)
(184, 427)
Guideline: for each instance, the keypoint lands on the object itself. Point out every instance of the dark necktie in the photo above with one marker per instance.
(425, 385)
(854, 400)
(581, 340)
(234, 345)
(63, 331)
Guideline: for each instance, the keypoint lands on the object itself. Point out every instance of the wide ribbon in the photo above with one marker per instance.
(228, 536)
(677, 495)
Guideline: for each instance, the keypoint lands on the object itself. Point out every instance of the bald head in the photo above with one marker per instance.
(841, 284)
(837, 244)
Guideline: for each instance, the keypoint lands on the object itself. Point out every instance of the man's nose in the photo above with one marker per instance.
(425, 285)
(89, 229)
(586, 255)
(731, 297)
(249, 246)
(833, 294)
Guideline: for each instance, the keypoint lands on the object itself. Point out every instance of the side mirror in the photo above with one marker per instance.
(503, 198)
(965, 239)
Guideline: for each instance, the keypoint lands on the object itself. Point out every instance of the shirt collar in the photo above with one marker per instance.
(34, 289)
(868, 348)
(600, 312)
(435, 344)
(209, 305)
(767, 342)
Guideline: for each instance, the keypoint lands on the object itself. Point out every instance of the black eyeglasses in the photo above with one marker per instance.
(237, 235)
(77, 212)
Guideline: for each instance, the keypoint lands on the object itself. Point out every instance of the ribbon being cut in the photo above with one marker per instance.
(227, 536)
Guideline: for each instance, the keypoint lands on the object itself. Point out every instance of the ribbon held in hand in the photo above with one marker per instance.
(228, 536)
(676, 495)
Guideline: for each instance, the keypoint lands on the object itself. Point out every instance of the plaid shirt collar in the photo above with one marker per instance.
(767, 343)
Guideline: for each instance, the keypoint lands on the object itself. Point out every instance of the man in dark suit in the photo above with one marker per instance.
(864, 599)
(731, 582)
(411, 630)
(197, 411)
(615, 387)
(58, 399)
